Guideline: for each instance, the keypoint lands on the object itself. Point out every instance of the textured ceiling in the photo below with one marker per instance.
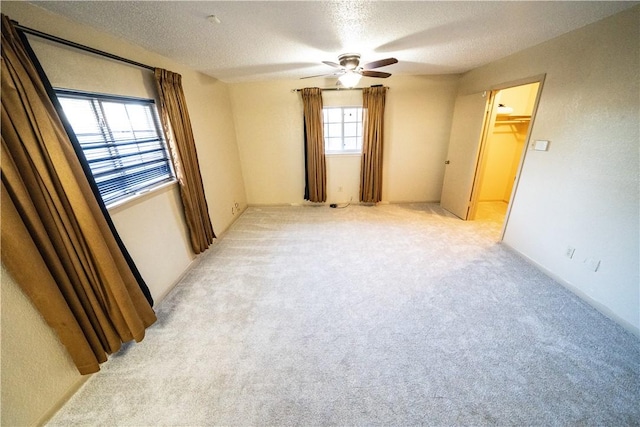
(264, 40)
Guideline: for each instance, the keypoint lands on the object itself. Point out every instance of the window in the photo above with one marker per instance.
(121, 140)
(342, 129)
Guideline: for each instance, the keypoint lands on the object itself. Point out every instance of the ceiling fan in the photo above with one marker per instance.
(350, 71)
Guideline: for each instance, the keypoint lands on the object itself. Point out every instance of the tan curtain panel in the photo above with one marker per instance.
(177, 127)
(315, 162)
(373, 100)
(56, 242)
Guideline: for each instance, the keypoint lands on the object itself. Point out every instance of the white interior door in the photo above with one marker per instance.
(466, 134)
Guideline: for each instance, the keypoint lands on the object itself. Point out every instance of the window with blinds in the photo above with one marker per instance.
(121, 140)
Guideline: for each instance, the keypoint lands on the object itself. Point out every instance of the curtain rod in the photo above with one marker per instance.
(65, 42)
(338, 88)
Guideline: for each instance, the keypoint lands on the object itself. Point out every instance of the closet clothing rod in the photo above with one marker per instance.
(69, 43)
(336, 88)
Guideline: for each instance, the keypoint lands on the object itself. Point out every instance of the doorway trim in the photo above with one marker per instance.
(486, 126)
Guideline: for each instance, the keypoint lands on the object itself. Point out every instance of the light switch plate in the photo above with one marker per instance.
(541, 145)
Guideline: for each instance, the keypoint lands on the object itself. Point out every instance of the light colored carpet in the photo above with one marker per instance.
(391, 315)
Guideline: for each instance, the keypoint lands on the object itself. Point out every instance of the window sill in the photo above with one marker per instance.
(123, 203)
(343, 153)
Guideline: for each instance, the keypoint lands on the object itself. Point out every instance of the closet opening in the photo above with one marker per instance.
(502, 151)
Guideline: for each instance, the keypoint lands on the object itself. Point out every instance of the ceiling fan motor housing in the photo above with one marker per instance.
(350, 61)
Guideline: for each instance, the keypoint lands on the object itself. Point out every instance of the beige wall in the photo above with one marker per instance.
(268, 119)
(36, 372)
(156, 242)
(583, 192)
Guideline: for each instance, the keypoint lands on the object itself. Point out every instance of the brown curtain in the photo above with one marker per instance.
(56, 242)
(315, 164)
(373, 99)
(177, 126)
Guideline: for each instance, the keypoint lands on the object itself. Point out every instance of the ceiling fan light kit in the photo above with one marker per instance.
(349, 79)
(350, 71)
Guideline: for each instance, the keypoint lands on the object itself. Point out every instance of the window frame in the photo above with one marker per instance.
(127, 192)
(359, 125)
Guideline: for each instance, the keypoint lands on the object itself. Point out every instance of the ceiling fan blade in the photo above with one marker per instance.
(332, 64)
(319, 75)
(380, 63)
(380, 74)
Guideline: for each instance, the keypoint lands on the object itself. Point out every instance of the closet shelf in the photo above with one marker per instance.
(512, 119)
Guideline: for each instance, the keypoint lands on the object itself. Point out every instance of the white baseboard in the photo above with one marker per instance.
(46, 417)
(606, 311)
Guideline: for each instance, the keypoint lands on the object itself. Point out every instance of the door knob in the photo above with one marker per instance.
(447, 162)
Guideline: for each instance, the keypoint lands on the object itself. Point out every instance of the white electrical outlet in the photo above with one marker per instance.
(569, 252)
(592, 264)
